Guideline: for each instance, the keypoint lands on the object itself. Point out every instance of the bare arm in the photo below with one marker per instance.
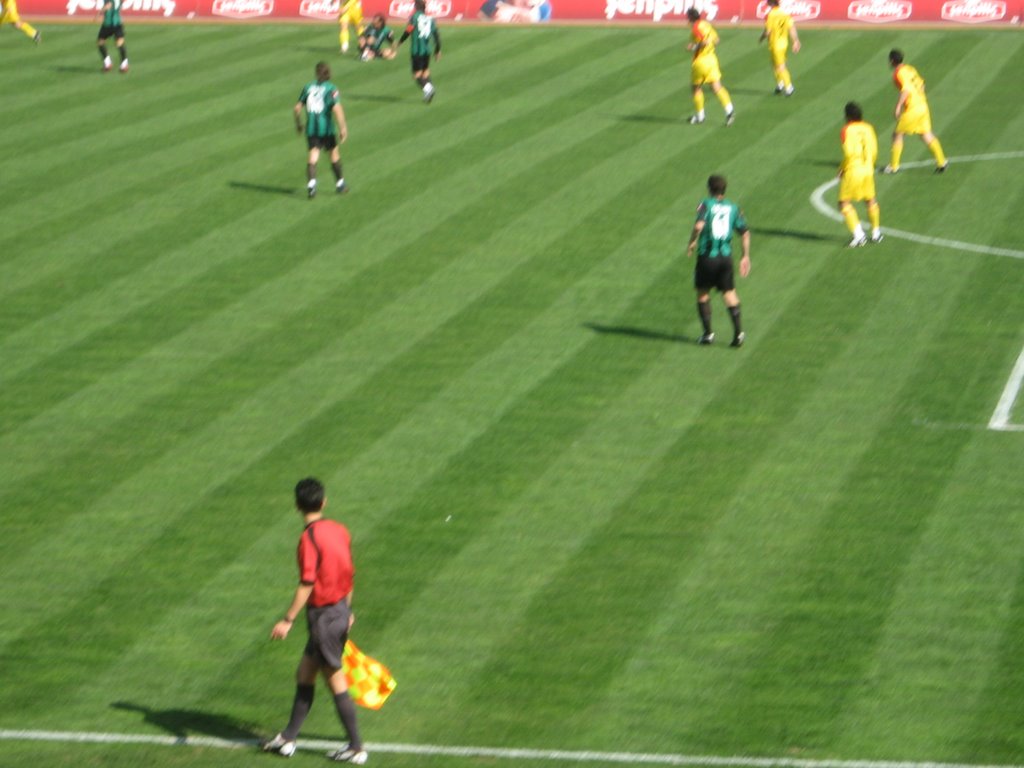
(745, 260)
(794, 38)
(298, 116)
(698, 227)
(283, 627)
(900, 104)
(339, 115)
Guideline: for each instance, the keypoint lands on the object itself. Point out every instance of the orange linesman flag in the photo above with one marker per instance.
(369, 682)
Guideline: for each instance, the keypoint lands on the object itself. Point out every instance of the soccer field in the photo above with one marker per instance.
(574, 528)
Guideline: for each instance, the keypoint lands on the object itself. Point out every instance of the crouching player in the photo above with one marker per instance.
(377, 41)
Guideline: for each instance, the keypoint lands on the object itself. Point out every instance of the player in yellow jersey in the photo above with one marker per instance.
(912, 114)
(350, 14)
(780, 31)
(857, 175)
(9, 15)
(705, 70)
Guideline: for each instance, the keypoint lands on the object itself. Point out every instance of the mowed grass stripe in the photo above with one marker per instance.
(720, 613)
(418, 321)
(207, 147)
(695, 476)
(162, 280)
(811, 637)
(152, 386)
(380, 159)
(474, 400)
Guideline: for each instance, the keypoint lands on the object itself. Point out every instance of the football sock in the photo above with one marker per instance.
(734, 313)
(704, 310)
(725, 99)
(874, 215)
(698, 102)
(936, 148)
(311, 172)
(850, 217)
(28, 30)
(344, 36)
(897, 153)
(103, 52)
(347, 714)
(787, 80)
(300, 709)
(123, 51)
(336, 167)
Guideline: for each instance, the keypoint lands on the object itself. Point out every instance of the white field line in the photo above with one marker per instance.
(552, 755)
(1001, 415)
(818, 201)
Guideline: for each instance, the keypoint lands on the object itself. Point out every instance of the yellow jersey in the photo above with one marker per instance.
(860, 149)
(704, 38)
(776, 26)
(908, 81)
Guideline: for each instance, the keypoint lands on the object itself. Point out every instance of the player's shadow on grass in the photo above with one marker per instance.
(833, 164)
(268, 188)
(637, 333)
(190, 722)
(373, 97)
(793, 234)
(641, 118)
(68, 69)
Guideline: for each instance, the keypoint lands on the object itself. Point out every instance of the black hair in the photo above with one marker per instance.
(692, 14)
(895, 56)
(853, 111)
(309, 495)
(716, 185)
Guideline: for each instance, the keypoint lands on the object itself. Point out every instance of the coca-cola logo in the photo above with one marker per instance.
(973, 11)
(656, 10)
(406, 8)
(319, 9)
(800, 10)
(163, 7)
(880, 11)
(243, 9)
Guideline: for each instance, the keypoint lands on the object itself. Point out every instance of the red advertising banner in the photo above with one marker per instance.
(874, 12)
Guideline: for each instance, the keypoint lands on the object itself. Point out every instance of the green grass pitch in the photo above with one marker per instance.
(575, 529)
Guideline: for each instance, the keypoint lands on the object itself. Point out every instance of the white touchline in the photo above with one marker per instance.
(1001, 415)
(818, 201)
(553, 755)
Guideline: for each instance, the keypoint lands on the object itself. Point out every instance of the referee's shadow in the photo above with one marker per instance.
(183, 723)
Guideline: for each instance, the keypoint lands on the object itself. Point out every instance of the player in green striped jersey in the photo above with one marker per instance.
(322, 103)
(711, 240)
(426, 38)
(112, 26)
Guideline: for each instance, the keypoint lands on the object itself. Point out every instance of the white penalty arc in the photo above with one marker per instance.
(495, 753)
(818, 201)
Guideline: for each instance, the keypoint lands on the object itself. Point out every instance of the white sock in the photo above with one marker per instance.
(728, 108)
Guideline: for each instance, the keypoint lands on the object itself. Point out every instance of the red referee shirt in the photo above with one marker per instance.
(325, 561)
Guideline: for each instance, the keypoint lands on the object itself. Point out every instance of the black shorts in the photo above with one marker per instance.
(714, 273)
(328, 631)
(420, 63)
(322, 142)
(116, 31)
